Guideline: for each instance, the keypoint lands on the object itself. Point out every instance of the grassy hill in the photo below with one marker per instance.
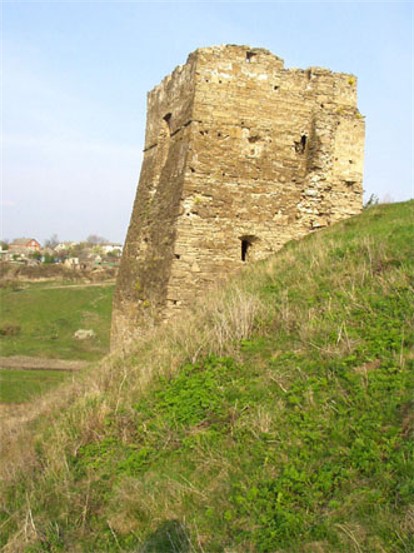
(278, 417)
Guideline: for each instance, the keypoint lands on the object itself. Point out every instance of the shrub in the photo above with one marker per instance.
(9, 329)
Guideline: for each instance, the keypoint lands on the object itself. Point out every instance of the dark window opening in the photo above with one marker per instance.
(177, 256)
(249, 56)
(246, 246)
(167, 119)
(275, 87)
(303, 142)
(300, 146)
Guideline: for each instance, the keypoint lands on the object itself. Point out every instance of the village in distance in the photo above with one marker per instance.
(93, 253)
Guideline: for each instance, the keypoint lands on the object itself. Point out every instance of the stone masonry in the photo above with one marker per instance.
(241, 155)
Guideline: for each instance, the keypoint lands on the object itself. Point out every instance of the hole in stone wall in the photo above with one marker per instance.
(246, 246)
(192, 169)
(300, 145)
(303, 142)
(167, 119)
(249, 56)
(275, 87)
(177, 256)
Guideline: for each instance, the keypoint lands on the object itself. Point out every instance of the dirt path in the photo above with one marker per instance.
(83, 285)
(40, 363)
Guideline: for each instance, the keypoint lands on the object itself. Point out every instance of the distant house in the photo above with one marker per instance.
(62, 246)
(72, 262)
(24, 245)
(111, 248)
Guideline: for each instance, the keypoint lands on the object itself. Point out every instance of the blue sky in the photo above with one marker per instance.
(75, 77)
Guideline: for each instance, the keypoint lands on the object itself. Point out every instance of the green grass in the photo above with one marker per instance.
(44, 320)
(288, 431)
(21, 386)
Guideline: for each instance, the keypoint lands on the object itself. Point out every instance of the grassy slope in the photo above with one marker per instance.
(17, 386)
(48, 317)
(278, 420)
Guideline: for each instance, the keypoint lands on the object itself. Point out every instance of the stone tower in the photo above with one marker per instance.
(241, 155)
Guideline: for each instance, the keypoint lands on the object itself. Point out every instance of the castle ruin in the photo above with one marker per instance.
(241, 155)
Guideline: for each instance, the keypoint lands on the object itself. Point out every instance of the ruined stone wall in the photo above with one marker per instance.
(149, 247)
(241, 156)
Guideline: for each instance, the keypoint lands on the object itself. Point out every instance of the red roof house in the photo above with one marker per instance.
(24, 244)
